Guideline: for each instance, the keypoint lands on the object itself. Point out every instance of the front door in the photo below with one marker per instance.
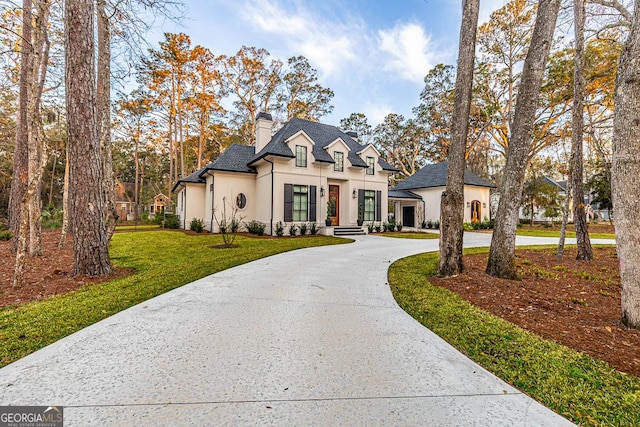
(334, 201)
(475, 211)
(408, 216)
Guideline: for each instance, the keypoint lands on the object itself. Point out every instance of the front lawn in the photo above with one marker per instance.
(585, 390)
(132, 227)
(163, 260)
(541, 232)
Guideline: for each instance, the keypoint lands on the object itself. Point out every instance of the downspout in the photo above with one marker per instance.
(212, 191)
(184, 208)
(424, 210)
(271, 218)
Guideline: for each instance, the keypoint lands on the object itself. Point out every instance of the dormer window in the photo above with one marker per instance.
(338, 166)
(370, 165)
(301, 156)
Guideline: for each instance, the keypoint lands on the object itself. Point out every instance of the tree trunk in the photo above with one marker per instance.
(65, 204)
(104, 116)
(171, 164)
(136, 180)
(565, 218)
(585, 253)
(90, 243)
(531, 213)
(180, 130)
(625, 167)
(502, 253)
(452, 201)
(20, 174)
(37, 158)
(53, 178)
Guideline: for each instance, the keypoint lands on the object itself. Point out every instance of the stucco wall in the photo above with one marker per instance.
(431, 197)
(321, 175)
(226, 188)
(191, 206)
(258, 188)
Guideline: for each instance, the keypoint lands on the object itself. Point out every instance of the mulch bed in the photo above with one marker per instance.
(575, 303)
(46, 275)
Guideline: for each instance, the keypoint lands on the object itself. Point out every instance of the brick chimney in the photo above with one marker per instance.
(264, 123)
(353, 135)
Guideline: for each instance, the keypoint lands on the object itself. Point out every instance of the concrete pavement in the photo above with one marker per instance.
(310, 337)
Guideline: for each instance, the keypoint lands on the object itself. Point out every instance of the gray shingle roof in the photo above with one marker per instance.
(194, 178)
(241, 158)
(436, 176)
(234, 159)
(403, 194)
(321, 134)
(386, 166)
(562, 185)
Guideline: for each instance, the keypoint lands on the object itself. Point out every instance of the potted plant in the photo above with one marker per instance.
(327, 221)
(360, 216)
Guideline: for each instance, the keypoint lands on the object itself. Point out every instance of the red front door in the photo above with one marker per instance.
(334, 200)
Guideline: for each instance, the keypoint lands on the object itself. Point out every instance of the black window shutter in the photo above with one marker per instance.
(378, 205)
(312, 203)
(288, 202)
(360, 204)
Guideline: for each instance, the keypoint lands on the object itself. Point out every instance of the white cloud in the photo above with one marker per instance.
(325, 44)
(487, 7)
(409, 51)
(376, 113)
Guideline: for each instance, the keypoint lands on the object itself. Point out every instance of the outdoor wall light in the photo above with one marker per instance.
(484, 205)
(355, 193)
(468, 204)
(321, 191)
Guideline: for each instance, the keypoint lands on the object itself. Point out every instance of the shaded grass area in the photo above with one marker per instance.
(163, 260)
(556, 233)
(129, 227)
(583, 389)
(409, 235)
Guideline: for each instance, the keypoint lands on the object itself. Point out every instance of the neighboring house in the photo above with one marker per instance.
(551, 196)
(306, 172)
(417, 198)
(123, 200)
(159, 205)
(540, 212)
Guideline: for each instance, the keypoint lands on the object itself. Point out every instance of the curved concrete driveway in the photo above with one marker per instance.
(311, 337)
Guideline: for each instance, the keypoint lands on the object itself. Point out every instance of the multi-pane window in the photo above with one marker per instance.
(300, 202)
(370, 165)
(301, 156)
(338, 166)
(369, 205)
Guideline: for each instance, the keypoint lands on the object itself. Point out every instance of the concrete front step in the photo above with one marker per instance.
(348, 231)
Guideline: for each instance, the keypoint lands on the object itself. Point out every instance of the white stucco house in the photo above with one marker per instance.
(417, 198)
(305, 172)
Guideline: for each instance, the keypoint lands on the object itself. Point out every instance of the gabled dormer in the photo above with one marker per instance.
(339, 151)
(302, 146)
(371, 156)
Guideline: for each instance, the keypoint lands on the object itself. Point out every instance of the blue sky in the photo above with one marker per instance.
(372, 54)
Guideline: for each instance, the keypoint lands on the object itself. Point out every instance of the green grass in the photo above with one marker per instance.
(583, 389)
(163, 260)
(556, 233)
(409, 235)
(136, 227)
